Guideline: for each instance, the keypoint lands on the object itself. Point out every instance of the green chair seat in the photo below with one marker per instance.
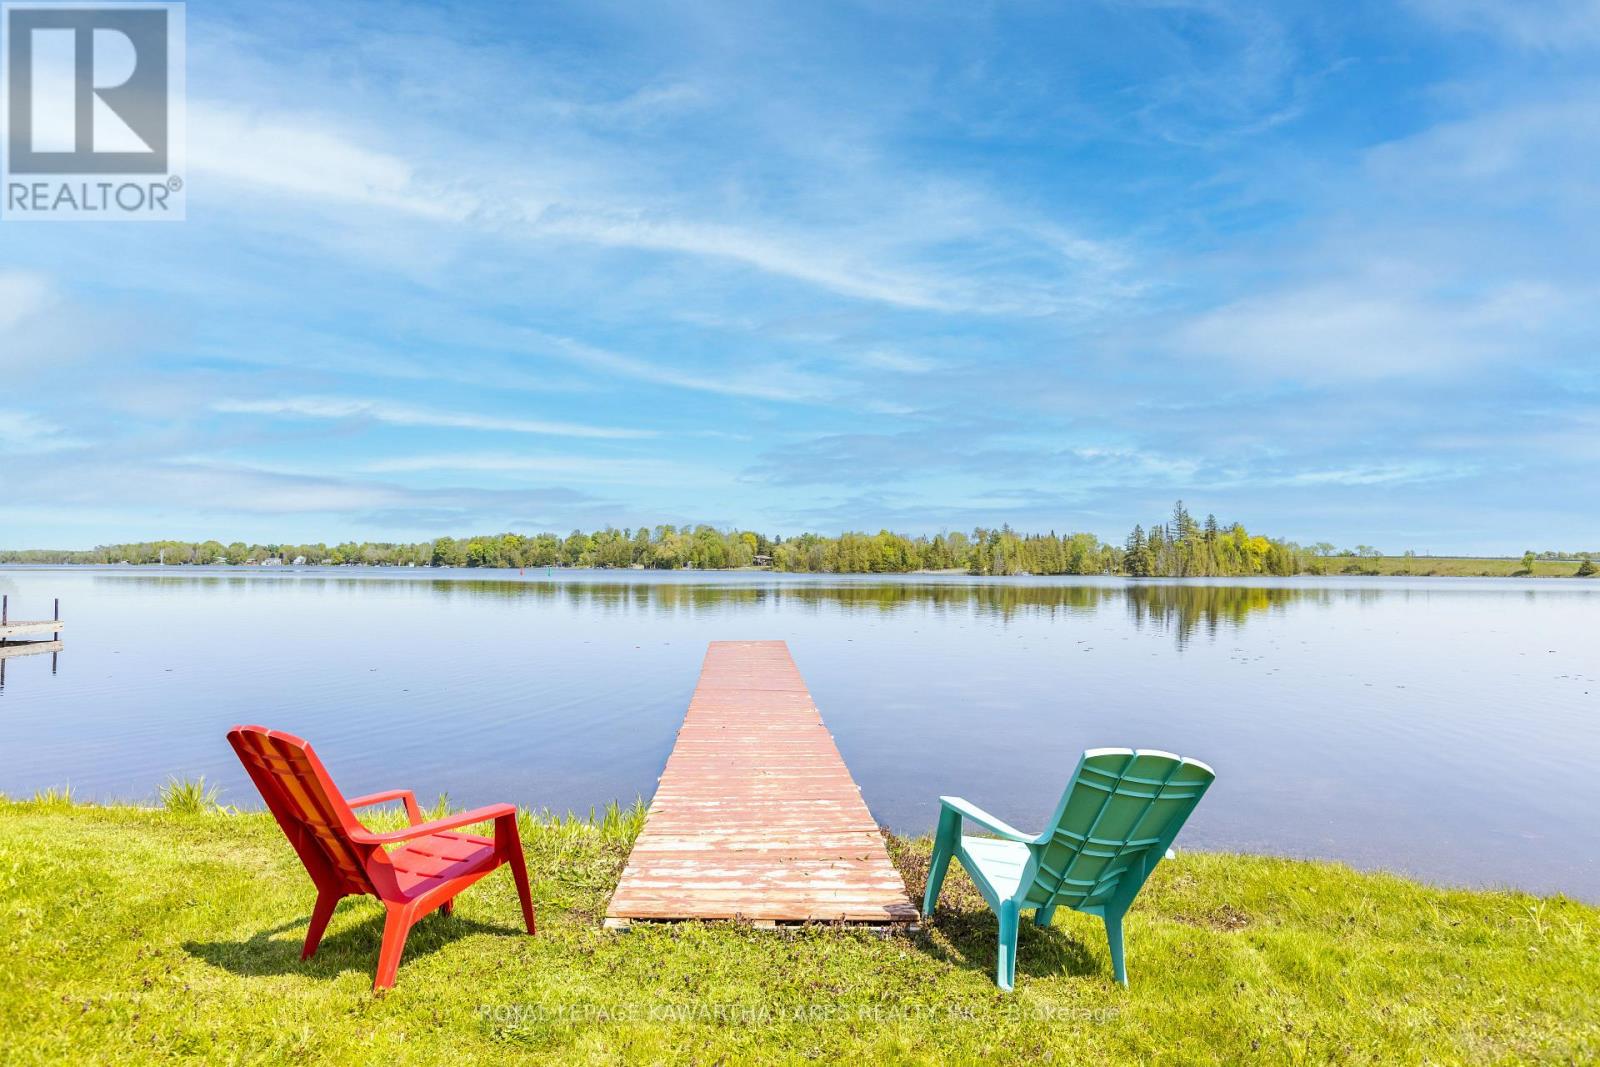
(998, 865)
(1116, 821)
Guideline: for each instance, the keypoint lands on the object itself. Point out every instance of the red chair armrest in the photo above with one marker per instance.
(449, 822)
(413, 812)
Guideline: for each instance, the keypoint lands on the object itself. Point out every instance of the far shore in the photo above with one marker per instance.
(1324, 567)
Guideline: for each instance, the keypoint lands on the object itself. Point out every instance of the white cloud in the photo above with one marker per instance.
(22, 296)
(880, 250)
(1376, 474)
(1555, 25)
(1134, 466)
(895, 360)
(769, 383)
(23, 432)
(1374, 328)
(1463, 246)
(311, 407)
(209, 494)
(646, 104)
(627, 471)
(1530, 150)
(830, 268)
(305, 157)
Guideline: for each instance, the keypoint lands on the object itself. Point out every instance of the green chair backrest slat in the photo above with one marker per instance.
(1115, 821)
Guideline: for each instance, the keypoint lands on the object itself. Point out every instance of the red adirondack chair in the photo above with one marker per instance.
(344, 858)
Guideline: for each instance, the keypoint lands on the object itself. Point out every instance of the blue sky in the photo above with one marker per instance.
(1331, 270)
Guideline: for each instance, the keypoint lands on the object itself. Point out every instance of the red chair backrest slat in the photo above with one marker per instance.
(307, 805)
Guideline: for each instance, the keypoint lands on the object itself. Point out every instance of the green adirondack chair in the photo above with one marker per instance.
(1115, 822)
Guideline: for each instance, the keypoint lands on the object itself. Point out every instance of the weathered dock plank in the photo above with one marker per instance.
(17, 629)
(756, 816)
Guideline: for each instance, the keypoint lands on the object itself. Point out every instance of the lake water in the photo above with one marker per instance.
(1446, 728)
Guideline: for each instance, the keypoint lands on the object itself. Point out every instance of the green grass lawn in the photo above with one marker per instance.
(1447, 567)
(135, 934)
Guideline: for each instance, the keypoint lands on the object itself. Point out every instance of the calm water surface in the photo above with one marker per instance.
(1445, 728)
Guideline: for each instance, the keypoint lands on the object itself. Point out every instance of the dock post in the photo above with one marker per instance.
(57, 635)
(5, 610)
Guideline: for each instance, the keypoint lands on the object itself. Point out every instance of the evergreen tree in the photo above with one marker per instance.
(1136, 562)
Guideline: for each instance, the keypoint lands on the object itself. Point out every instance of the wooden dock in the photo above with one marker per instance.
(10, 627)
(18, 629)
(756, 816)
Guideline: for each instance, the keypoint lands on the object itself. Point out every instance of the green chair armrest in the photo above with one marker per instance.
(969, 811)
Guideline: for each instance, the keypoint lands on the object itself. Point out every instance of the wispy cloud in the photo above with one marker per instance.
(1382, 474)
(893, 360)
(274, 151)
(24, 432)
(830, 267)
(343, 408)
(1347, 331)
(1552, 25)
(640, 470)
(764, 383)
(1527, 153)
(23, 294)
(308, 158)
(223, 492)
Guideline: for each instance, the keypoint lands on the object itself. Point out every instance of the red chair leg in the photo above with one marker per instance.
(448, 908)
(509, 841)
(320, 914)
(396, 925)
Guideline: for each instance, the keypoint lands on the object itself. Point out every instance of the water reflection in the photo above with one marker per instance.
(1181, 609)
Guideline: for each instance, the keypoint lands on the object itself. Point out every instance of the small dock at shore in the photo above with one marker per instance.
(756, 816)
(11, 629)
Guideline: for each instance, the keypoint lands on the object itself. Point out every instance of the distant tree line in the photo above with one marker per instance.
(1184, 548)
(1179, 546)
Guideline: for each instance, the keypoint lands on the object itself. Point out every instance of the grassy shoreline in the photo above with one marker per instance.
(1444, 567)
(136, 934)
